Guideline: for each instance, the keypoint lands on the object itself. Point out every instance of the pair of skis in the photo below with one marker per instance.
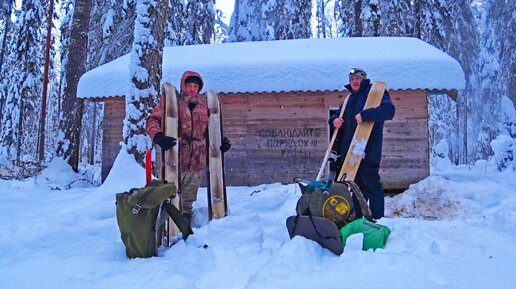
(170, 170)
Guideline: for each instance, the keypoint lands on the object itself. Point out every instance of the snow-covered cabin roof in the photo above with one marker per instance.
(291, 65)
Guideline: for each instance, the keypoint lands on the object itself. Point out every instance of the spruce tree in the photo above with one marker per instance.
(24, 83)
(145, 71)
(323, 25)
(175, 32)
(111, 30)
(395, 19)
(199, 22)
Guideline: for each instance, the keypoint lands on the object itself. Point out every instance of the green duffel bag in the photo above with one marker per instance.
(137, 213)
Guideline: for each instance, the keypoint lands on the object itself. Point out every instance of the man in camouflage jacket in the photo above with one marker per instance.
(193, 121)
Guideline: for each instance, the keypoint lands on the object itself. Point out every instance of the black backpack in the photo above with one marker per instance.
(331, 200)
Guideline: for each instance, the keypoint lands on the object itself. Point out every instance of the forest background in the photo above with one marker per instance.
(46, 45)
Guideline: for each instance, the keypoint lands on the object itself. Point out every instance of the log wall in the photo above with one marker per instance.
(279, 136)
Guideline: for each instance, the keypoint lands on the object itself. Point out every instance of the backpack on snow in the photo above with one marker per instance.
(326, 215)
(331, 200)
(323, 209)
(140, 216)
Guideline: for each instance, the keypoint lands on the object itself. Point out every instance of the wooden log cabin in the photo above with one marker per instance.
(277, 96)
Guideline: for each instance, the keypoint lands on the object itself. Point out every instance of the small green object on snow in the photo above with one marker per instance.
(375, 235)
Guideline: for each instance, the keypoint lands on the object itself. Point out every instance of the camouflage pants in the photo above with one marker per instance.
(190, 182)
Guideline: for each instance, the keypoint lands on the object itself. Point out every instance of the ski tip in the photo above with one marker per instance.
(213, 101)
(167, 88)
(379, 85)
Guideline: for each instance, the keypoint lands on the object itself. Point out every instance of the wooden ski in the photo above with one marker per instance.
(170, 158)
(358, 144)
(217, 200)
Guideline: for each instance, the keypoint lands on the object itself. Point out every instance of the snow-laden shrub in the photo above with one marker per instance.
(440, 160)
(504, 152)
(508, 116)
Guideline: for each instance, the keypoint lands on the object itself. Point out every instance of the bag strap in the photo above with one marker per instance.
(366, 211)
(178, 218)
(139, 202)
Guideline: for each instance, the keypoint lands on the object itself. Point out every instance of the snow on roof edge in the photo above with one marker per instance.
(295, 65)
(101, 98)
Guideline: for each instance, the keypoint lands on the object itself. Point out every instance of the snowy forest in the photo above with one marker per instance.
(46, 45)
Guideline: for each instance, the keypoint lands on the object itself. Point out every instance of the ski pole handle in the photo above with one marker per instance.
(148, 166)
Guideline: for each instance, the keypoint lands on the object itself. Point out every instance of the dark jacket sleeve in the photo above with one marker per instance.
(385, 111)
(334, 116)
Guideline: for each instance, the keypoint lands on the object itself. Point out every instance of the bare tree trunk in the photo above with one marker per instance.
(7, 27)
(93, 135)
(417, 17)
(2, 51)
(42, 120)
(359, 27)
(72, 107)
(377, 21)
(20, 130)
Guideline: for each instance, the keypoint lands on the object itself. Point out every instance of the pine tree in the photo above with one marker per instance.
(145, 71)
(72, 107)
(24, 82)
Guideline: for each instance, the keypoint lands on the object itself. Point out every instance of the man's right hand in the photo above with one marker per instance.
(165, 142)
(337, 122)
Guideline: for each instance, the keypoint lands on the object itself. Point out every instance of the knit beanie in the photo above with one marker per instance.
(358, 72)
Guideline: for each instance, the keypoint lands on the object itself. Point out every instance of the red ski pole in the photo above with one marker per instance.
(148, 166)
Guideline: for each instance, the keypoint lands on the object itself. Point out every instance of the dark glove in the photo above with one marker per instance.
(226, 145)
(165, 142)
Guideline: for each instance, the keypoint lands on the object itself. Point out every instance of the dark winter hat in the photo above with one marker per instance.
(193, 79)
(358, 72)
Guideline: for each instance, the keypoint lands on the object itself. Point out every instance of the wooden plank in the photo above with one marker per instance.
(361, 136)
(170, 158)
(216, 189)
